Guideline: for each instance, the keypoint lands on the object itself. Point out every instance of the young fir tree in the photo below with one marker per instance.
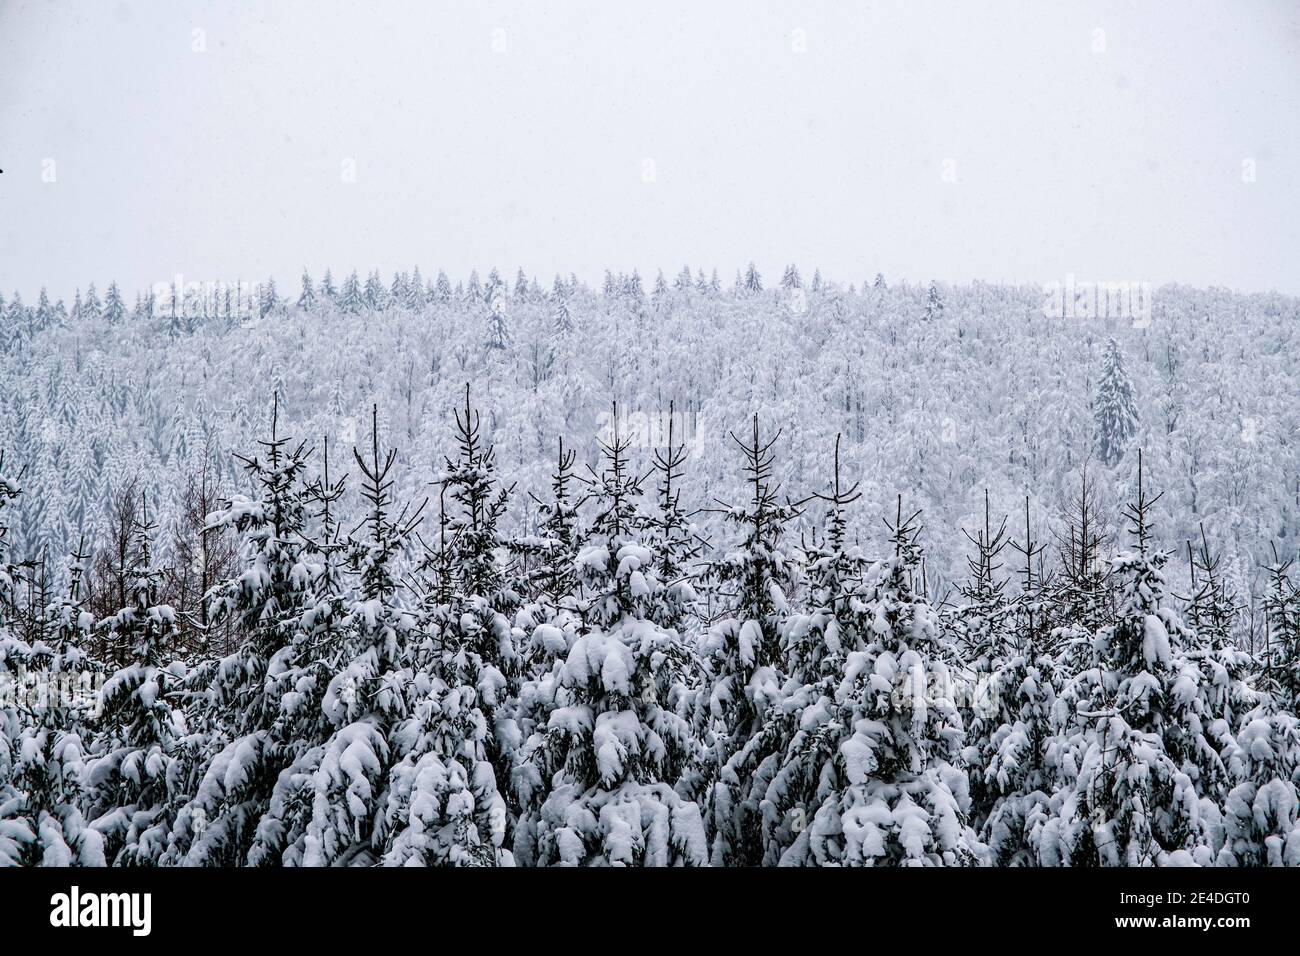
(890, 791)
(1282, 637)
(741, 653)
(325, 807)
(416, 295)
(374, 294)
(933, 302)
(258, 702)
(615, 737)
(1212, 609)
(349, 298)
(1139, 725)
(307, 297)
(328, 292)
(549, 571)
(784, 783)
(670, 533)
(466, 614)
(1116, 414)
(1261, 815)
(58, 711)
(131, 779)
(1011, 727)
(114, 309)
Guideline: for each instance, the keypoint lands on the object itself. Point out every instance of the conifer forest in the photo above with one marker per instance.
(499, 571)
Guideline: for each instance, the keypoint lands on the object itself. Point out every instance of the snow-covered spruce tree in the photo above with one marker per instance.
(933, 303)
(466, 637)
(1010, 730)
(549, 573)
(1080, 597)
(890, 790)
(498, 334)
(16, 835)
(250, 710)
(981, 622)
(785, 785)
(1212, 609)
(741, 655)
(674, 539)
(326, 804)
(615, 739)
(561, 315)
(1136, 727)
(307, 297)
(59, 699)
(441, 804)
(10, 490)
(132, 778)
(1282, 645)
(1261, 815)
(350, 298)
(1116, 414)
(328, 292)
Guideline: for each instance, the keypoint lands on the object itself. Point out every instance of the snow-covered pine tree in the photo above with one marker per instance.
(415, 292)
(307, 297)
(601, 792)
(671, 534)
(90, 306)
(131, 778)
(114, 307)
(257, 703)
(349, 298)
(933, 302)
(328, 292)
(268, 299)
(1134, 727)
(375, 295)
(890, 790)
(549, 572)
(1212, 609)
(398, 288)
(561, 315)
(1261, 817)
(498, 334)
(785, 785)
(468, 606)
(1116, 413)
(16, 835)
(61, 685)
(1282, 637)
(326, 805)
(741, 653)
(1010, 727)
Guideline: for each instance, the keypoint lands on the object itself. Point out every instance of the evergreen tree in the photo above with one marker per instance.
(1116, 414)
(741, 652)
(327, 291)
(615, 738)
(933, 303)
(889, 786)
(349, 297)
(131, 779)
(307, 297)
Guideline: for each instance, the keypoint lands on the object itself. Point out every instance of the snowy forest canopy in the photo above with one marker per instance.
(327, 603)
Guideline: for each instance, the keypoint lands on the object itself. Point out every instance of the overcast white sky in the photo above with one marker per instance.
(1124, 164)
